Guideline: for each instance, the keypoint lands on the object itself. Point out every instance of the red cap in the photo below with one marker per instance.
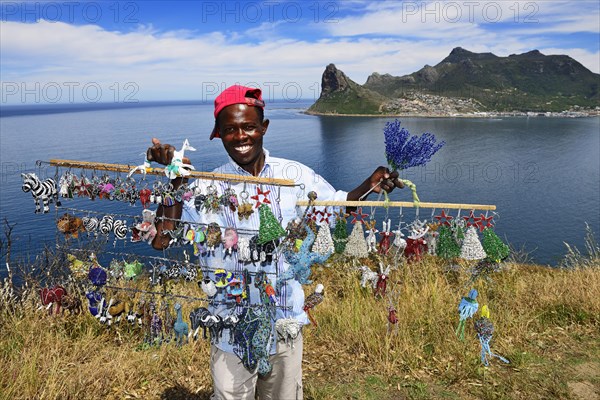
(236, 94)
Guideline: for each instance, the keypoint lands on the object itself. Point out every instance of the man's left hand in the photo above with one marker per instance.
(389, 180)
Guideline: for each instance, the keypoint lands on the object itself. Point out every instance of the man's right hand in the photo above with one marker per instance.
(160, 153)
(163, 154)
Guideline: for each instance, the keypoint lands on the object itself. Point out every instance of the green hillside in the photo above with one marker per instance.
(530, 81)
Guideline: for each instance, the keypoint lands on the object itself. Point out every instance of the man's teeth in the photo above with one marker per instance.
(242, 148)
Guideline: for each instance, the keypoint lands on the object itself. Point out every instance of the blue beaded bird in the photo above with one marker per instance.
(466, 309)
(485, 329)
(301, 261)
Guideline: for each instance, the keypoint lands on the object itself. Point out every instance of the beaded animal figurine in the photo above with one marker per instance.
(301, 261)
(230, 241)
(466, 309)
(44, 191)
(177, 166)
(371, 236)
(313, 300)
(382, 279)
(181, 328)
(368, 277)
(386, 237)
(485, 329)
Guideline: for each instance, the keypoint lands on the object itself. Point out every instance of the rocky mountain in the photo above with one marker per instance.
(466, 82)
(341, 95)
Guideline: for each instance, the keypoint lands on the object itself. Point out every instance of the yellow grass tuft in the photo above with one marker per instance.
(546, 320)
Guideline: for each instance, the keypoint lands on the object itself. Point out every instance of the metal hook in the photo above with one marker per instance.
(300, 194)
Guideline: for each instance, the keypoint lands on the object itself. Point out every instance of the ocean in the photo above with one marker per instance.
(543, 174)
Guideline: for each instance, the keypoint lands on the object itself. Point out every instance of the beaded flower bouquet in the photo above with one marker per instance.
(404, 151)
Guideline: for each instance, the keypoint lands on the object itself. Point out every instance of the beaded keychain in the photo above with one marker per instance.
(245, 209)
(211, 201)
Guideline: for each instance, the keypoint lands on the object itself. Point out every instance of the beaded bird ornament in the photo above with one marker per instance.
(466, 309)
(485, 329)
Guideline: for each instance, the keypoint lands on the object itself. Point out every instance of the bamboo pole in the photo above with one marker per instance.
(160, 171)
(456, 206)
(273, 181)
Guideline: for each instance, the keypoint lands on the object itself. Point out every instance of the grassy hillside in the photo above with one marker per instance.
(547, 324)
(353, 100)
(527, 82)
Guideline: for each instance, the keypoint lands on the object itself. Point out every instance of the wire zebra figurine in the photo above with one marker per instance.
(41, 190)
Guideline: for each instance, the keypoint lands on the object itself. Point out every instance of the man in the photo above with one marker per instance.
(240, 124)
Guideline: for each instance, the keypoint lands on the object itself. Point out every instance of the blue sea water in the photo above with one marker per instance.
(543, 174)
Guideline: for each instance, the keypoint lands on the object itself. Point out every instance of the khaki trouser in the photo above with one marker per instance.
(231, 381)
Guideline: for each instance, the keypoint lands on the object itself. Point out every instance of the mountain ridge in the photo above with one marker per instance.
(466, 82)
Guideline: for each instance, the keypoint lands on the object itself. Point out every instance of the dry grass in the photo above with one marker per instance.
(547, 321)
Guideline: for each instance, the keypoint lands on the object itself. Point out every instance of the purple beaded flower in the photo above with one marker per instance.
(404, 151)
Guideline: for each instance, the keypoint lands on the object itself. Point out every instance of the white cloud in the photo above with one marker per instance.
(191, 65)
(426, 19)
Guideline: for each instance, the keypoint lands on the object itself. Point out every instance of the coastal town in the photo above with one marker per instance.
(418, 104)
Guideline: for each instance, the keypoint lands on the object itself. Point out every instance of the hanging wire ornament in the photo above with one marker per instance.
(261, 197)
(471, 220)
(97, 275)
(404, 151)
(177, 166)
(120, 229)
(132, 269)
(399, 242)
(229, 199)
(493, 246)
(432, 238)
(288, 329)
(444, 219)
(447, 248)
(340, 235)
(386, 237)
(484, 222)
(416, 245)
(324, 242)
(295, 234)
(211, 200)
(78, 268)
(269, 228)
(466, 309)
(244, 209)
(230, 241)
(90, 224)
(106, 224)
(357, 245)
(371, 236)
(471, 248)
(213, 236)
(70, 225)
(485, 329)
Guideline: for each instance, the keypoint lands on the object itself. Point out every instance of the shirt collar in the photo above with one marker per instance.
(242, 171)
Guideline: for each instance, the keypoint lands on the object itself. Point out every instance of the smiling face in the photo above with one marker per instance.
(242, 130)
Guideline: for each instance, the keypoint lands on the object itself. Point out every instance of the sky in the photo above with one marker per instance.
(127, 51)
